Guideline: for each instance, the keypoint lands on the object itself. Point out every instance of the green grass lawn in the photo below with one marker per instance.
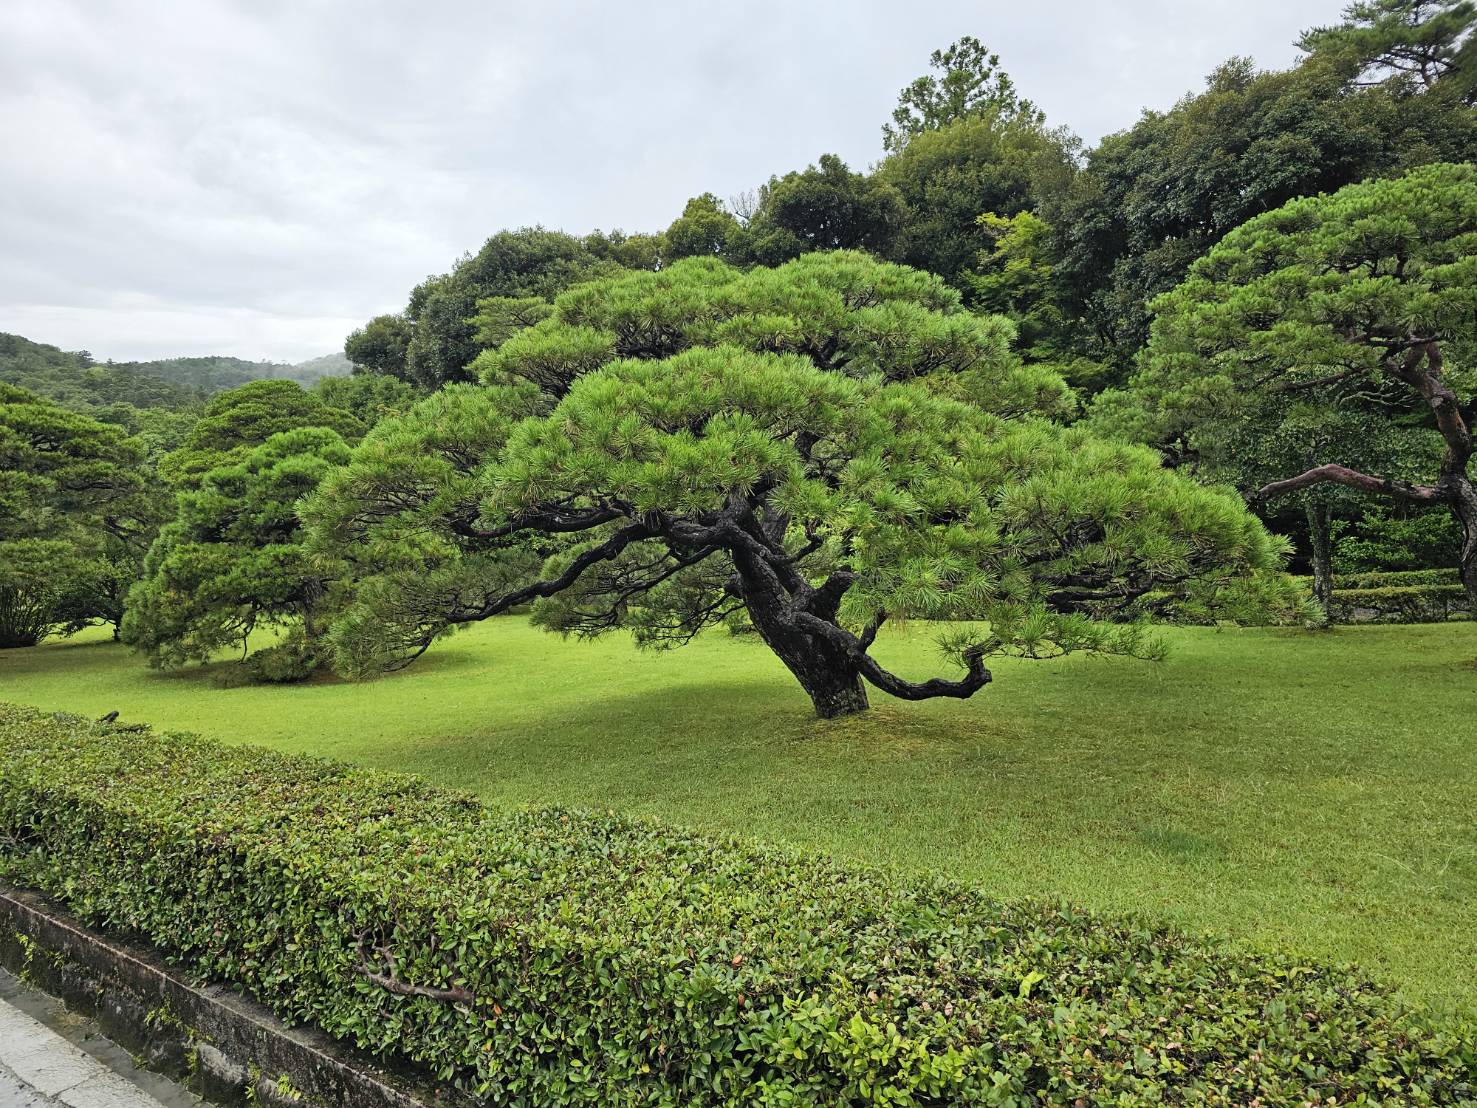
(1316, 792)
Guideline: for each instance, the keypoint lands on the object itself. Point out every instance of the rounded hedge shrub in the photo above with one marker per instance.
(559, 958)
(282, 664)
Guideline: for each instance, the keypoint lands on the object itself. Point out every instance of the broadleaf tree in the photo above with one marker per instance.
(825, 447)
(1154, 198)
(823, 207)
(949, 176)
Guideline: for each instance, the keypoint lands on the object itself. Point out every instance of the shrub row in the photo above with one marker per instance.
(1401, 604)
(1396, 579)
(556, 958)
(1397, 596)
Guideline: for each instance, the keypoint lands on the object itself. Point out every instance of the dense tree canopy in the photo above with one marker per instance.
(234, 560)
(1157, 196)
(1352, 302)
(241, 419)
(823, 447)
(705, 229)
(824, 207)
(73, 508)
(366, 397)
(1015, 276)
(381, 345)
(434, 340)
(950, 176)
(841, 309)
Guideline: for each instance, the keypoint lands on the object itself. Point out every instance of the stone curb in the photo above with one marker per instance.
(221, 1045)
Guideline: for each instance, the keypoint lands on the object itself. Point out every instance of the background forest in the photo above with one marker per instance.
(974, 185)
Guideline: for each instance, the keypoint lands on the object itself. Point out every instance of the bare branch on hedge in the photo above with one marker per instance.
(392, 984)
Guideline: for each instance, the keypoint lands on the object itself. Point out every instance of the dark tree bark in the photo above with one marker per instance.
(829, 677)
(798, 620)
(1321, 544)
(1464, 508)
(828, 673)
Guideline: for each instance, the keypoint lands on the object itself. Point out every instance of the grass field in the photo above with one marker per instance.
(1316, 792)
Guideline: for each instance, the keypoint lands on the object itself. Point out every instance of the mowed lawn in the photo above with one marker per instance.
(1313, 792)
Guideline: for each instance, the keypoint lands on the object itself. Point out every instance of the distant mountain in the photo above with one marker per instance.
(215, 373)
(330, 365)
(76, 379)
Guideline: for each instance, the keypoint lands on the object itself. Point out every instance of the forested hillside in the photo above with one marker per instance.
(76, 379)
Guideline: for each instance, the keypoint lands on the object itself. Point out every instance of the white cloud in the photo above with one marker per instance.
(256, 177)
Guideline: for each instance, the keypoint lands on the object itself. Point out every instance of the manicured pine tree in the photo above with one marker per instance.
(1363, 302)
(824, 447)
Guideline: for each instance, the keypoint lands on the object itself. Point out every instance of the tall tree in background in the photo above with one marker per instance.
(381, 345)
(628, 251)
(823, 207)
(434, 340)
(969, 82)
(948, 177)
(705, 229)
(1342, 299)
(1154, 198)
(1425, 43)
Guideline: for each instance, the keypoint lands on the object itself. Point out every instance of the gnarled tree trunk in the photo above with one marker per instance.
(831, 678)
(830, 675)
(1419, 366)
(1464, 508)
(798, 619)
(1321, 544)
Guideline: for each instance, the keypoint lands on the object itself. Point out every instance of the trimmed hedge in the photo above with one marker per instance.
(1398, 596)
(1401, 604)
(1397, 579)
(576, 958)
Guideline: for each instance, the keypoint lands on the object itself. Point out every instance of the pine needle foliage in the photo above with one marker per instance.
(822, 447)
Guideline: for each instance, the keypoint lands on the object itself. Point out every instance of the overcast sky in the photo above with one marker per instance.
(258, 177)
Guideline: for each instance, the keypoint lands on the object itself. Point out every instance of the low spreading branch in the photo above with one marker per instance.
(609, 549)
(1352, 478)
(976, 676)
